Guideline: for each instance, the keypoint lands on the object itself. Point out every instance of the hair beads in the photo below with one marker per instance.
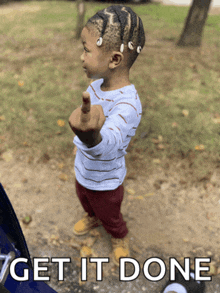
(130, 45)
(139, 49)
(139, 36)
(122, 48)
(105, 21)
(133, 19)
(119, 28)
(123, 21)
(99, 41)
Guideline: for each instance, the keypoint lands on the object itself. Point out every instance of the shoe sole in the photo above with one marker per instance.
(87, 231)
(117, 263)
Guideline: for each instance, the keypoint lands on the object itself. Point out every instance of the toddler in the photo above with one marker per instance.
(108, 118)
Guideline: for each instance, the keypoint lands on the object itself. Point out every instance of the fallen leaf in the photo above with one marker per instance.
(2, 118)
(63, 177)
(7, 156)
(25, 143)
(90, 241)
(95, 233)
(139, 197)
(215, 120)
(54, 237)
(185, 112)
(156, 161)
(186, 240)
(26, 220)
(157, 140)
(209, 253)
(160, 147)
(60, 122)
(61, 165)
(212, 269)
(174, 124)
(85, 251)
(200, 147)
(130, 190)
(160, 138)
(20, 83)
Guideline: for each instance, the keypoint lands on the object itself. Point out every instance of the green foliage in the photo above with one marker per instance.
(42, 81)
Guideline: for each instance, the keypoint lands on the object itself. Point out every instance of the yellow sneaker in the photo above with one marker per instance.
(86, 224)
(120, 248)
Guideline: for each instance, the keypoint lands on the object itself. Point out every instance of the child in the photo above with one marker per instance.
(109, 116)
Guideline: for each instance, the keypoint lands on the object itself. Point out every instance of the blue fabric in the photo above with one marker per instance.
(29, 286)
(9, 225)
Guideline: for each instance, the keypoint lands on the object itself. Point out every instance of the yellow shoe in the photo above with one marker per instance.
(120, 248)
(85, 225)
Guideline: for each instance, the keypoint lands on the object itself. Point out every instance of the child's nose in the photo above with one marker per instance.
(82, 57)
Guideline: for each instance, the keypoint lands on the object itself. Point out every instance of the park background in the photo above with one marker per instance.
(172, 186)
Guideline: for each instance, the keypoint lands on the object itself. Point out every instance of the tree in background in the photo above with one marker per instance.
(195, 22)
(80, 17)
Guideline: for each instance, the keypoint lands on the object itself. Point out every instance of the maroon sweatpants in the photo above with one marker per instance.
(105, 205)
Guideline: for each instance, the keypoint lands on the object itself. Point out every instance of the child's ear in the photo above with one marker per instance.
(116, 59)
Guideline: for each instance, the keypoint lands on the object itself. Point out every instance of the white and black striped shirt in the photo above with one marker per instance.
(102, 167)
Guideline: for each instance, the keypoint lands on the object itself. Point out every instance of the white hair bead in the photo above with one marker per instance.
(99, 42)
(122, 48)
(139, 49)
(130, 45)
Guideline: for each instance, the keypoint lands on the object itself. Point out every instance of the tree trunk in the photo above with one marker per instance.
(195, 22)
(80, 17)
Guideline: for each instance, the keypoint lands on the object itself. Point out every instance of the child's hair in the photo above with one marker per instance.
(120, 28)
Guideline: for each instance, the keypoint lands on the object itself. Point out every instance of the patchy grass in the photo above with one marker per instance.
(42, 81)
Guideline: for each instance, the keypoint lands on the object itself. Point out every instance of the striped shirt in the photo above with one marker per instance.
(102, 167)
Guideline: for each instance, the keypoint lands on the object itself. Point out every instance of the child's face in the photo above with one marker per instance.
(95, 59)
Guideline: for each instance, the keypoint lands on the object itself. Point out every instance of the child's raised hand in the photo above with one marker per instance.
(87, 121)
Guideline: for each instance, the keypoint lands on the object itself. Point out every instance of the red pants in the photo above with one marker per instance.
(105, 205)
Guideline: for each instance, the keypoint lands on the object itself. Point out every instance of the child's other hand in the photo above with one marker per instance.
(87, 121)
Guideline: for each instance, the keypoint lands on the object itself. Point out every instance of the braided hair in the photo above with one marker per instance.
(119, 28)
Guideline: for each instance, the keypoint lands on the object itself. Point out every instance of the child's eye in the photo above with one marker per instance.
(86, 50)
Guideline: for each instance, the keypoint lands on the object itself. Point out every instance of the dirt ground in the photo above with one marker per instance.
(163, 211)
(167, 214)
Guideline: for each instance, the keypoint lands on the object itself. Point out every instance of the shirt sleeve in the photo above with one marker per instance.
(122, 122)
